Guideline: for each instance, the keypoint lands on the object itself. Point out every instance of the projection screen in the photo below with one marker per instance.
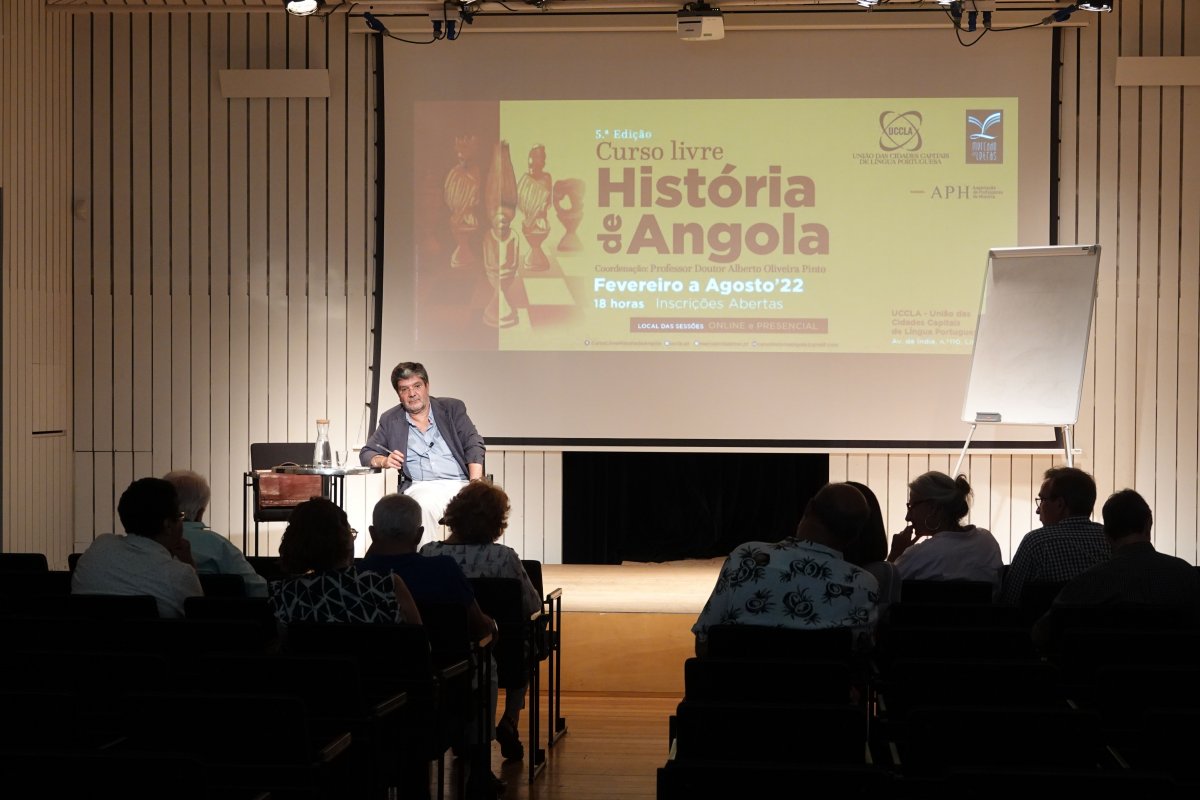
(778, 239)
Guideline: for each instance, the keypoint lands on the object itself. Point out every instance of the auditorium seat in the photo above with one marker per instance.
(753, 641)
(244, 740)
(930, 591)
(23, 562)
(517, 659)
(942, 737)
(393, 659)
(771, 733)
(222, 585)
(549, 649)
(334, 695)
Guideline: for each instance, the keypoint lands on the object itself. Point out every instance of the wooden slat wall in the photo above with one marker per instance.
(1130, 179)
(223, 283)
(35, 177)
(229, 321)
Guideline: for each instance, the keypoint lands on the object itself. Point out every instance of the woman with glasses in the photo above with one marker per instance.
(936, 545)
(318, 551)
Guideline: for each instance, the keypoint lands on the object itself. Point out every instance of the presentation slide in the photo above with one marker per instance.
(777, 240)
(785, 225)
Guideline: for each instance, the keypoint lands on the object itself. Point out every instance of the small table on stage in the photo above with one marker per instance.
(333, 479)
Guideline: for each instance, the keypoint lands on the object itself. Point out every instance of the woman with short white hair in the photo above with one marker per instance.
(936, 545)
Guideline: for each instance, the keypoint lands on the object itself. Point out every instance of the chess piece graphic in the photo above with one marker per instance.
(428, 214)
(533, 198)
(461, 193)
(568, 205)
(501, 246)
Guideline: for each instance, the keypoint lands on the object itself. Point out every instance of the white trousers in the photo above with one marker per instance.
(433, 496)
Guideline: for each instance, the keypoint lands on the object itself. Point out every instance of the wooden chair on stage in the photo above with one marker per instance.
(274, 495)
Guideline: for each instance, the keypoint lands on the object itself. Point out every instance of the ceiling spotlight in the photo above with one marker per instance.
(1096, 5)
(867, 3)
(302, 8)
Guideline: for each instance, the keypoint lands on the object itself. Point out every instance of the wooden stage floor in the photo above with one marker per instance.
(672, 587)
(627, 627)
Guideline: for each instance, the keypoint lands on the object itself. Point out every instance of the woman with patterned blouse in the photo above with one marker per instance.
(318, 550)
(477, 517)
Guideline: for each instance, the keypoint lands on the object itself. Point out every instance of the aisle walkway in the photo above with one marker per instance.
(613, 746)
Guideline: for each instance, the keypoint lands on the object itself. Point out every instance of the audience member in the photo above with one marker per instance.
(395, 533)
(801, 582)
(153, 558)
(869, 550)
(477, 517)
(318, 549)
(936, 545)
(1136, 572)
(1068, 543)
(212, 553)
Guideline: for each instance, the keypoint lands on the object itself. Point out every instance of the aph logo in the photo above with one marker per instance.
(900, 130)
(985, 136)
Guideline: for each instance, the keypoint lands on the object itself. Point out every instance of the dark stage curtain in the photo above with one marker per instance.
(670, 506)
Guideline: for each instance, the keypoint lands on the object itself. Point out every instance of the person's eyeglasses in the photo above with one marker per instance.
(1039, 500)
(909, 505)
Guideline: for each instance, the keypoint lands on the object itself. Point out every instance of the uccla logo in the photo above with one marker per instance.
(900, 131)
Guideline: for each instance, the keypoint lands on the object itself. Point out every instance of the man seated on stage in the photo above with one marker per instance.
(153, 558)
(801, 582)
(212, 553)
(1136, 573)
(431, 440)
(1068, 542)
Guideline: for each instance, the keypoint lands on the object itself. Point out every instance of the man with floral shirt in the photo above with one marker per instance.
(801, 582)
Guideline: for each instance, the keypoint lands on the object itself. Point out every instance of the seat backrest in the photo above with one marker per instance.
(267, 566)
(266, 455)
(385, 653)
(534, 570)
(501, 599)
(954, 615)
(256, 609)
(112, 606)
(222, 585)
(23, 562)
(1037, 597)
(929, 591)
(753, 641)
(771, 733)
(736, 680)
(912, 682)
(448, 630)
(940, 737)
(951, 641)
(19, 587)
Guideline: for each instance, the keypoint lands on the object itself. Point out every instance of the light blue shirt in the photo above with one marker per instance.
(429, 457)
(214, 554)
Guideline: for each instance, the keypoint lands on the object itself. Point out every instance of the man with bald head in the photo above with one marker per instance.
(801, 582)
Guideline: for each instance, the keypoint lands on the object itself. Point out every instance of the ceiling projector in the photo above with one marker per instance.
(699, 22)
